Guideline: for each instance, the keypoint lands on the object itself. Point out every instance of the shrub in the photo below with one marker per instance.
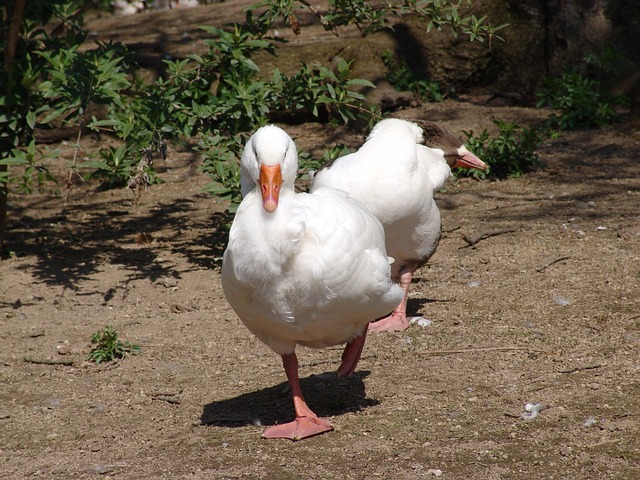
(579, 100)
(218, 98)
(402, 78)
(511, 153)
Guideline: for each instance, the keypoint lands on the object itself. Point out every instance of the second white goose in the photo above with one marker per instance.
(395, 174)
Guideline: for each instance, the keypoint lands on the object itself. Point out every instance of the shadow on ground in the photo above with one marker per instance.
(326, 394)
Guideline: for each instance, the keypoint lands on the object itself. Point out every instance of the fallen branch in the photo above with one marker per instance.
(48, 361)
(486, 349)
(548, 264)
(580, 369)
(472, 240)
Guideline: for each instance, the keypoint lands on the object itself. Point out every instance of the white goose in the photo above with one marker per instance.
(395, 176)
(303, 269)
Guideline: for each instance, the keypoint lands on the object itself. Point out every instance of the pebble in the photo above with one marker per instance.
(531, 410)
(560, 300)
(422, 322)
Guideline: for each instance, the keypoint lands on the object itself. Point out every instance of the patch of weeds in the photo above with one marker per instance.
(402, 78)
(307, 163)
(511, 153)
(580, 100)
(108, 347)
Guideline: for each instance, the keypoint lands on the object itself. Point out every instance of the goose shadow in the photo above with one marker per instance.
(418, 304)
(326, 394)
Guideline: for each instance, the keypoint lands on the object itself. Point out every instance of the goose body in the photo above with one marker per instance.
(303, 269)
(395, 174)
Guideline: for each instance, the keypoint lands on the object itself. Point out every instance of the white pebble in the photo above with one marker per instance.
(531, 410)
(560, 300)
(421, 321)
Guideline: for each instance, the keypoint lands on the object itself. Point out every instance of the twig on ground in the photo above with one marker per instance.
(580, 369)
(511, 205)
(590, 327)
(473, 239)
(486, 349)
(548, 264)
(48, 361)
(627, 414)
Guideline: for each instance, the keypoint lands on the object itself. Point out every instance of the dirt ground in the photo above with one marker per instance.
(548, 313)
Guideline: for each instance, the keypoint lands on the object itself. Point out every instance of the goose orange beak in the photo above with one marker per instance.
(270, 181)
(466, 159)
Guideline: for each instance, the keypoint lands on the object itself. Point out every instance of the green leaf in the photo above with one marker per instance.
(31, 119)
(14, 161)
(53, 115)
(360, 81)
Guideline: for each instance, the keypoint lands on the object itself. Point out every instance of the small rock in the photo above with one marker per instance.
(422, 322)
(436, 472)
(531, 410)
(560, 300)
(98, 469)
(63, 349)
(565, 451)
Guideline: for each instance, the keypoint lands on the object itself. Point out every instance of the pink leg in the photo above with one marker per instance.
(351, 355)
(397, 321)
(306, 423)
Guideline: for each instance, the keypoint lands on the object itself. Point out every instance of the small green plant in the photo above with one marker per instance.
(580, 101)
(308, 164)
(108, 347)
(511, 153)
(401, 77)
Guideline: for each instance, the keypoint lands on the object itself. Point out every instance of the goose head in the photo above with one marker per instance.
(269, 163)
(455, 153)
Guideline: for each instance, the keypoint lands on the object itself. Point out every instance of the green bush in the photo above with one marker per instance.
(402, 78)
(511, 153)
(53, 79)
(580, 101)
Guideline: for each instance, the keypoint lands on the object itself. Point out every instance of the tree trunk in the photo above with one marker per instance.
(7, 60)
